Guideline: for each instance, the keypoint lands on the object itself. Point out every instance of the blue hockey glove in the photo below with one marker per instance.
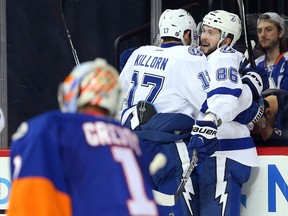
(203, 139)
(257, 80)
(252, 114)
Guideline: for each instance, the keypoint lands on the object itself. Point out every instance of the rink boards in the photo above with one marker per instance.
(5, 183)
(265, 194)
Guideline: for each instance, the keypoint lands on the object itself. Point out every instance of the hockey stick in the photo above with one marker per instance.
(170, 200)
(75, 56)
(245, 60)
(188, 172)
(210, 2)
(246, 33)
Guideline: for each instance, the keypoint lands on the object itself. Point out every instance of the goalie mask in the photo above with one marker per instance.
(92, 83)
(173, 23)
(227, 23)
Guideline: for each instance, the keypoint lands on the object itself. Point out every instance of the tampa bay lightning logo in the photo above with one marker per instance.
(227, 49)
(194, 51)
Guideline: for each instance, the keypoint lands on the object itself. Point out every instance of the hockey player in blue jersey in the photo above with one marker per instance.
(80, 161)
(166, 91)
(226, 151)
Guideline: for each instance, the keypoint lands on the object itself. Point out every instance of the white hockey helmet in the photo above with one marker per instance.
(173, 23)
(227, 23)
(92, 83)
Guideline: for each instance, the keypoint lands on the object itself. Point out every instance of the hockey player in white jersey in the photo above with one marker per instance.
(164, 76)
(218, 179)
(174, 78)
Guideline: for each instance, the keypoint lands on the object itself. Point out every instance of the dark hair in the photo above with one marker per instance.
(169, 38)
(231, 36)
(283, 41)
(187, 30)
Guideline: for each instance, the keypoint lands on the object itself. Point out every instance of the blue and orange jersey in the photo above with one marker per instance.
(65, 164)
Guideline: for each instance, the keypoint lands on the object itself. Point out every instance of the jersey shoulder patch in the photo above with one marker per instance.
(227, 49)
(194, 51)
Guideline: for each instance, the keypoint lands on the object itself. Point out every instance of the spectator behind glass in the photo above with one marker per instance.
(271, 36)
(272, 128)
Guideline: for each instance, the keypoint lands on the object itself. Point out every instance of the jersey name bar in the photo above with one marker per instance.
(152, 62)
(102, 134)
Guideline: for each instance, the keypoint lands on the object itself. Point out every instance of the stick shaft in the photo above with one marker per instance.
(74, 52)
(187, 174)
(246, 33)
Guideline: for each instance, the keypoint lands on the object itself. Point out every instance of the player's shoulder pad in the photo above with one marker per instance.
(195, 51)
(40, 121)
(227, 49)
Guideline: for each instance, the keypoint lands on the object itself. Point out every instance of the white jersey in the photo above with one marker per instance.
(227, 97)
(174, 79)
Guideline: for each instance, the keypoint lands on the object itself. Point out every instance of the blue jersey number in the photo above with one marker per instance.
(148, 80)
(204, 77)
(227, 73)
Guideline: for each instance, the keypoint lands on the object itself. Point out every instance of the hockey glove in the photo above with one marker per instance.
(203, 139)
(253, 114)
(145, 111)
(257, 80)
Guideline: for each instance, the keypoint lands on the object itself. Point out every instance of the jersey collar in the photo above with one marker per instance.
(171, 44)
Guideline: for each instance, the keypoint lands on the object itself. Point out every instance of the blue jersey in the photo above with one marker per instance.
(78, 164)
(278, 72)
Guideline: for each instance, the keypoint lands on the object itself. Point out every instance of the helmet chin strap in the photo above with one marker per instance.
(194, 42)
(183, 39)
(220, 43)
(221, 40)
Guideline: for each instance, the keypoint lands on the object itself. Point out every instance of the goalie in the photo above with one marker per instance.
(80, 161)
